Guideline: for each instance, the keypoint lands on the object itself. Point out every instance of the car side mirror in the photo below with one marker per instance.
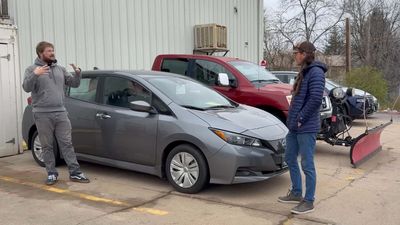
(141, 106)
(223, 79)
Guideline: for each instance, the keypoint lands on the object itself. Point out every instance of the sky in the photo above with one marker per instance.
(271, 4)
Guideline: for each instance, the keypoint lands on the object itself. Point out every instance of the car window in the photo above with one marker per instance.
(120, 92)
(86, 91)
(330, 85)
(207, 72)
(178, 66)
(160, 106)
(282, 77)
(253, 72)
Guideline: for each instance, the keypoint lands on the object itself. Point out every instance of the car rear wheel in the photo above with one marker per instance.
(186, 169)
(37, 150)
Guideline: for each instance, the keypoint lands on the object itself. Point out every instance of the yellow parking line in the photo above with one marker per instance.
(83, 196)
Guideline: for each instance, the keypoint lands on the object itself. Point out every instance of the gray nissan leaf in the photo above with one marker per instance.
(170, 126)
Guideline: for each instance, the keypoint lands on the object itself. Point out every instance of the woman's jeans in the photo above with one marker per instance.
(302, 144)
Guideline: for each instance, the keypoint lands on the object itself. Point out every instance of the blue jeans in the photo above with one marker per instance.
(302, 144)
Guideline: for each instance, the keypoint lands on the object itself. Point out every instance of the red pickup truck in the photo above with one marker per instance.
(249, 83)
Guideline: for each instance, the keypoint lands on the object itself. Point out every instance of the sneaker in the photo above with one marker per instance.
(51, 179)
(290, 198)
(80, 177)
(303, 208)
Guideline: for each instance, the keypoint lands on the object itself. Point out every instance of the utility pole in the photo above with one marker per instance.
(348, 46)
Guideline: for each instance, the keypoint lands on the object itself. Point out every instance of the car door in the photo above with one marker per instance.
(207, 72)
(126, 135)
(82, 103)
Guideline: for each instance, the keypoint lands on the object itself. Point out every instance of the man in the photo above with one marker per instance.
(304, 124)
(47, 81)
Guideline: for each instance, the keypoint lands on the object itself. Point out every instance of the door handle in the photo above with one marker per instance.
(8, 57)
(12, 141)
(103, 116)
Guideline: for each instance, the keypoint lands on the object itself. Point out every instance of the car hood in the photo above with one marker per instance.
(357, 91)
(282, 88)
(243, 119)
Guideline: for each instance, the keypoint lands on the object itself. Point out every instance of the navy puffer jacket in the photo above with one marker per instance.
(305, 106)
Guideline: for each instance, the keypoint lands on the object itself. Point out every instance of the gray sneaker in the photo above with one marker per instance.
(303, 208)
(290, 198)
(80, 178)
(51, 179)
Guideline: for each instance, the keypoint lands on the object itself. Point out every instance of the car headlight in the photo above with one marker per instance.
(337, 93)
(289, 99)
(237, 139)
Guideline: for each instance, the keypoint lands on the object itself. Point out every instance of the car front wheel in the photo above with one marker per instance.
(37, 150)
(186, 169)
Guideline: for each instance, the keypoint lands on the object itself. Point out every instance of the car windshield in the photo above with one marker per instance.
(190, 94)
(331, 84)
(254, 73)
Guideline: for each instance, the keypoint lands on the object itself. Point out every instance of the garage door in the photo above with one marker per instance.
(8, 103)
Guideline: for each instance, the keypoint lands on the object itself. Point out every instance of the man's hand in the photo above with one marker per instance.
(298, 124)
(76, 68)
(40, 70)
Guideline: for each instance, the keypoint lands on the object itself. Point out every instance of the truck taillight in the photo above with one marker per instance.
(29, 100)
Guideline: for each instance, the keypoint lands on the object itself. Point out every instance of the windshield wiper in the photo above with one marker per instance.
(193, 107)
(269, 81)
(221, 107)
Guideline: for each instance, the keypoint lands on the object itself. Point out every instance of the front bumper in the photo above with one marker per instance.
(237, 164)
(326, 114)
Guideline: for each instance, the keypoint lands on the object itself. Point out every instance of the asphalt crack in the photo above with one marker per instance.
(127, 208)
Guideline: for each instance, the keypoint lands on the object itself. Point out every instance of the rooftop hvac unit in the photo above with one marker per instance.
(210, 37)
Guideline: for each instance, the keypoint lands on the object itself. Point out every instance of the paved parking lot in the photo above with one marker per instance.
(365, 195)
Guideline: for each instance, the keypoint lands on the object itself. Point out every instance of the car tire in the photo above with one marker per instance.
(37, 151)
(186, 169)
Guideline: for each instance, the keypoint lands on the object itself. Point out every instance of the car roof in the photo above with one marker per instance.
(133, 73)
(191, 56)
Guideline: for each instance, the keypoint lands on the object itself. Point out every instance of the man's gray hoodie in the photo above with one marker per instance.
(48, 90)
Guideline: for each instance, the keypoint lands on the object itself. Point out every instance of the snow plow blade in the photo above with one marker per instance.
(367, 144)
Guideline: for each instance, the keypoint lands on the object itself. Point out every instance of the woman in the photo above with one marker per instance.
(304, 124)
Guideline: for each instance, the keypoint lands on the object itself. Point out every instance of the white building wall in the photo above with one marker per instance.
(128, 34)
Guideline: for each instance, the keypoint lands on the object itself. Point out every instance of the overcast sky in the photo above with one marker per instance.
(271, 4)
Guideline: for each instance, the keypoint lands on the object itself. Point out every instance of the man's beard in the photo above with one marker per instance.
(49, 61)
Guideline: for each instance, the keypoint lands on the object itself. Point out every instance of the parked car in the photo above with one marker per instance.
(354, 103)
(356, 100)
(250, 84)
(169, 126)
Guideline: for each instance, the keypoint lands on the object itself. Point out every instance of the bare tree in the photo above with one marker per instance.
(276, 50)
(376, 37)
(308, 19)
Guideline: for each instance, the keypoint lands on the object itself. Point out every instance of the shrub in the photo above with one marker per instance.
(368, 79)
